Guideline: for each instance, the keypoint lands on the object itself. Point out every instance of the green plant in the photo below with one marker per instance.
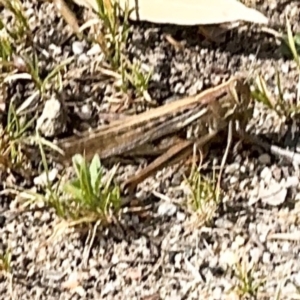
(5, 262)
(113, 37)
(53, 194)
(21, 26)
(291, 43)
(204, 193)
(135, 77)
(49, 193)
(286, 48)
(92, 193)
(15, 127)
(247, 284)
(6, 269)
(262, 94)
(290, 46)
(88, 198)
(32, 67)
(12, 136)
(17, 33)
(6, 48)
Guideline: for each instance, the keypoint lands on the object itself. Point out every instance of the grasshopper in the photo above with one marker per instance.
(205, 114)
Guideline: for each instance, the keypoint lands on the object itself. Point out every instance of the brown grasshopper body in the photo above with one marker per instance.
(207, 113)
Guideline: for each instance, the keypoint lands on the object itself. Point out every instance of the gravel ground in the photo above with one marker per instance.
(251, 239)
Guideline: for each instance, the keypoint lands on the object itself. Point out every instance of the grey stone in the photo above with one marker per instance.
(77, 47)
(167, 209)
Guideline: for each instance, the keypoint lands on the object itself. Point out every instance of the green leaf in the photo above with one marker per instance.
(75, 192)
(75, 183)
(290, 44)
(85, 181)
(116, 198)
(95, 173)
(77, 161)
(81, 170)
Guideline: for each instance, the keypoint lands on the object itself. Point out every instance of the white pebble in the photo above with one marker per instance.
(167, 209)
(96, 49)
(77, 47)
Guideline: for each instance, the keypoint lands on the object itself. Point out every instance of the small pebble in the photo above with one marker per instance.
(167, 209)
(255, 254)
(43, 179)
(284, 68)
(85, 113)
(217, 293)
(233, 179)
(286, 247)
(77, 47)
(94, 50)
(135, 220)
(177, 260)
(239, 240)
(264, 159)
(83, 59)
(53, 118)
(180, 216)
(232, 168)
(266, 258)
(297, 278)
(266, 174)
(277, 173)
(228, 258)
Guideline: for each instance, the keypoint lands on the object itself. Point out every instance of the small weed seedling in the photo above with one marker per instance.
(113, 40)
(88, 198)
(5, 262)
(136, 77)
(18, 33)
(32, 67)
(247, 285)
(21, 25)
(204, 196)
(290, 45)
(11, 139)
(94, 196)
(113, 37)
(6, 48)
(6, 269)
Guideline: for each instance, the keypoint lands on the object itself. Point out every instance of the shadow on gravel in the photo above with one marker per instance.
(244, 42)
(280, 169)
(194, 64)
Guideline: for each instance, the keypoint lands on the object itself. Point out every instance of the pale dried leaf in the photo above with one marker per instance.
(187, 12)
(194, 12)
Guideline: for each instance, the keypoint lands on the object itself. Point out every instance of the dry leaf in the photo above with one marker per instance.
(188, 12)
